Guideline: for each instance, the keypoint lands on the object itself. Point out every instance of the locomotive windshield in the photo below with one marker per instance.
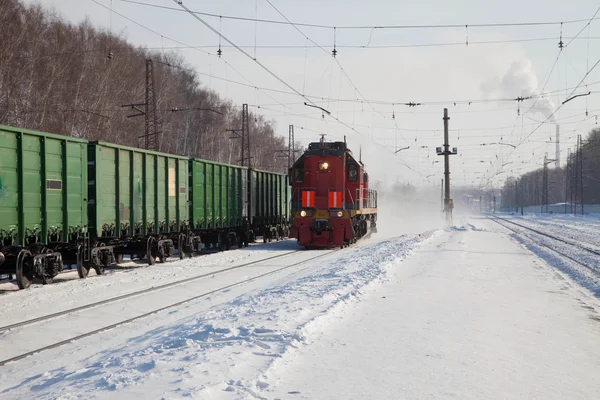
(352, 172)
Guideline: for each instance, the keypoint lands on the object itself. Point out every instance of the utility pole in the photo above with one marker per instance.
(448, 204)
(516, 195)
(442, 197)
(557, 165)
(580, 172)
(243, 134)
(567, 178)
(291, 152)
(151, 130)
(545, 185)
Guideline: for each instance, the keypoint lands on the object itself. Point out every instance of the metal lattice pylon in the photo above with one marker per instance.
(151, 133)
(245, 137)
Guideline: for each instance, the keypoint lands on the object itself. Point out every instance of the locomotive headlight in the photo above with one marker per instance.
(303, 213)
(323, 165)
(340, 214)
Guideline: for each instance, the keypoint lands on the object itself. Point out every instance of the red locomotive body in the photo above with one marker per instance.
(332, 205)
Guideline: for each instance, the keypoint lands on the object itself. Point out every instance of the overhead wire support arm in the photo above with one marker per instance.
(135, 107)
(320, 108)
(577, 95)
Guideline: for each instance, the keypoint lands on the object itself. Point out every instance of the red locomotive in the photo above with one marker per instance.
(332, 205)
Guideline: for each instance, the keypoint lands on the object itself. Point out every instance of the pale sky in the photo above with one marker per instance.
(393, 71)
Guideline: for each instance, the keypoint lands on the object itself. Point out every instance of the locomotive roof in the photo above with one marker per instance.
(327, 148)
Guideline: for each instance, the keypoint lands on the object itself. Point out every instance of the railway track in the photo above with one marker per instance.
(139, 292)
(138, 296)
(581, 247)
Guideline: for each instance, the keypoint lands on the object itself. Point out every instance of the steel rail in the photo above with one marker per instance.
(596, 252)
(129, 320)
(537, 242)
(137, 293)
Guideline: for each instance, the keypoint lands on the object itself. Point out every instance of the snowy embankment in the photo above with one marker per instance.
(203, 351)
(582, 230)
(470, 315)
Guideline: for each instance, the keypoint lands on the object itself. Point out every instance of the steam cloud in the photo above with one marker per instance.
(520, 80)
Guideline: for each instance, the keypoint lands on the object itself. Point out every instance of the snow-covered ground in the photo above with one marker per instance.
(213, 346)
(471, 315)
(583, 228)
(462, 312)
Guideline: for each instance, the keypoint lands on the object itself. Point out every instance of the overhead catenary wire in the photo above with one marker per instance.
(367, 27)
(182, 44)
(355, 100)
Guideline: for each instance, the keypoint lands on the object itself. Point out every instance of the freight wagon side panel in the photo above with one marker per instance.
(161, 192)
(197, 187)
(10, 207)
(288, 198)
(134, 191)
(210, 203)
(149, 189)
(218, 184)
(253, 187)
(42, 186)
(225, 196)
(245, 193)
(232, 199)
(183, 217)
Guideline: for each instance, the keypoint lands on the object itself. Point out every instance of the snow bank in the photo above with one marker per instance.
(219, 353)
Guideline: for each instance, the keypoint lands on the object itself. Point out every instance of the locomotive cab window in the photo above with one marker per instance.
(299, 174)
(352, 172)
(365, 177)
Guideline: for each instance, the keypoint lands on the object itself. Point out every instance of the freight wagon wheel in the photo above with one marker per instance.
(46, 280)
(82, 270)
(24, 269)
(150, 254)
(104, 261)
(181, 242)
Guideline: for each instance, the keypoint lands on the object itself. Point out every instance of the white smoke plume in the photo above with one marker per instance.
(521, 81)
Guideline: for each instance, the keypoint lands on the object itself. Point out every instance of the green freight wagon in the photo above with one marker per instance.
(218, 203)
(43, 208)
(138, 206)
(269, 199)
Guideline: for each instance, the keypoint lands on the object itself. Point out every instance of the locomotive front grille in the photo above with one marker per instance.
(320, 225)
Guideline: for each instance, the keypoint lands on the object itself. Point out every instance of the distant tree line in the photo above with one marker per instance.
(574, 182)
(72, 80)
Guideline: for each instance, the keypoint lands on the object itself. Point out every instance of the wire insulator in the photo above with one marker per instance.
(334, 52)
